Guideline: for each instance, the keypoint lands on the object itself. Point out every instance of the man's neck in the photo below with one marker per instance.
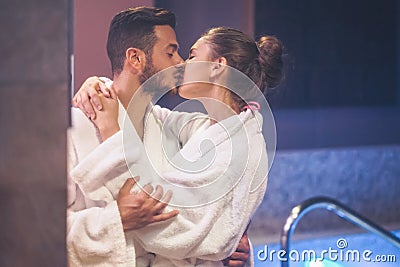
(132, 99)
(125, 86)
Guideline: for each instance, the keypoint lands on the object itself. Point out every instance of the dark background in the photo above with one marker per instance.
(338, 53)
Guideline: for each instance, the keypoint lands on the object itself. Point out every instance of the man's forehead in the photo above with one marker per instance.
(165, 35)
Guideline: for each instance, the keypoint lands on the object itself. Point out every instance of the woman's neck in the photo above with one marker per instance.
(219, 104)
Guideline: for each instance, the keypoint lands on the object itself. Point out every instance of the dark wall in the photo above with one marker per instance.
(33, 119)
(195, 17)
(91, 22)
(339, 53)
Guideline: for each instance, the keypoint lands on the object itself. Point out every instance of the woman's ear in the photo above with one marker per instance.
(135, 59)
(218, 67)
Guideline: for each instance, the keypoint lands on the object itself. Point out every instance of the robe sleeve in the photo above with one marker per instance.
(182, 125)
(95, 235)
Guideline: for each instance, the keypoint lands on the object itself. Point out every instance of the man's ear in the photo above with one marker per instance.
(218, 67)
(136, 59)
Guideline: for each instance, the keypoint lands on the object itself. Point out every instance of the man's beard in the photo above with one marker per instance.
(148, 71)
(161, 83)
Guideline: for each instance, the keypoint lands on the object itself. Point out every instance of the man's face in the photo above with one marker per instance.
(164, 55)
(165, 50)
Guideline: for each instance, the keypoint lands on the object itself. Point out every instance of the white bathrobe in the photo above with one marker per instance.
(198, 236)
(95, 234)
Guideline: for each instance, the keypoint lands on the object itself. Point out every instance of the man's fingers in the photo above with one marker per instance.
(165, 216)
(158, 208)
(167, 197)
(244, 245)
(234, 263)
(242, 256)
(126, 188)
(158, 193)
(163, 202)
(147, 189)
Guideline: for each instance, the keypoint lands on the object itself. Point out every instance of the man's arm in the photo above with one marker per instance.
(142, 208)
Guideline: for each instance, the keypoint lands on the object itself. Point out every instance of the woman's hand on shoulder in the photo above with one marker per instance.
(87, 98)
(106, 119)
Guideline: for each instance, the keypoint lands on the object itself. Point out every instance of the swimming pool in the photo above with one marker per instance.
(354, 250)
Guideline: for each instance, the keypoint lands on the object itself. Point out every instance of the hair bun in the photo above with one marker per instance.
(270, 59)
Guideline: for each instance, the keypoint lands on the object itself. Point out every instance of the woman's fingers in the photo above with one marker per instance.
(103, 88)
(87, 98)
(94, 98)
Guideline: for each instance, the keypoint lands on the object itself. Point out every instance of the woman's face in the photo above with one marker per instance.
(201, 51)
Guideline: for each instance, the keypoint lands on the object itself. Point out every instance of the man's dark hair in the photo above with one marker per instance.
(134, 27)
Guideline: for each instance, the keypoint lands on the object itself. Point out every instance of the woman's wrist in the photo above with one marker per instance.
(108, 131)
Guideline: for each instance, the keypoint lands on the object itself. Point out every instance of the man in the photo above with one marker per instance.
(141, 42)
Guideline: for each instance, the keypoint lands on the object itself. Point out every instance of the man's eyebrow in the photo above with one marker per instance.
(173, 46)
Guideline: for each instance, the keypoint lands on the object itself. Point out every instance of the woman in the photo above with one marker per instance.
(205, 234)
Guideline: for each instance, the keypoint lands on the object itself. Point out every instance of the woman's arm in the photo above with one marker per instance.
(106, 120)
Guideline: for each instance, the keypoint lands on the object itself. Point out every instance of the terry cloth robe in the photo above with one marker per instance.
(202, 235)
(95, 235)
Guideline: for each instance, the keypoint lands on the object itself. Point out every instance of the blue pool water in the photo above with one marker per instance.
(357, 250)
